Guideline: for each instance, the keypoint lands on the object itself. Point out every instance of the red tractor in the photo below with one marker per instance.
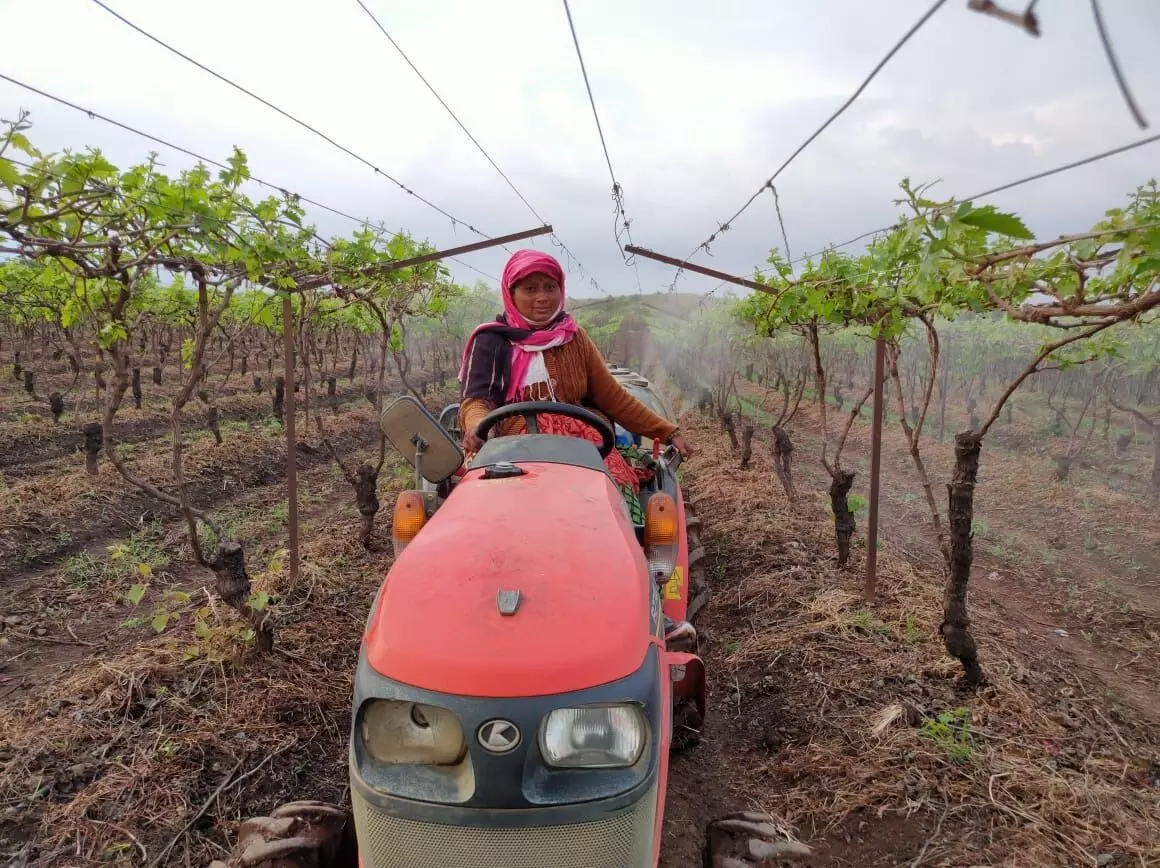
(526, 667)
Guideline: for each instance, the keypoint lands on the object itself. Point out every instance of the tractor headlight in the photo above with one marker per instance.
(410, 732)
(594, 736)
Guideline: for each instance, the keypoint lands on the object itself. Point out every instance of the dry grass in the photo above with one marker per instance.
(26, 422)
(1036, 768)
(34, 510)
(111, 759)
(1019, 501)
(108, 759)
(111, 751)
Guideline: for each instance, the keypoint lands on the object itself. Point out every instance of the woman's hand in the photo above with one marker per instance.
(681, 446)
(471, 442)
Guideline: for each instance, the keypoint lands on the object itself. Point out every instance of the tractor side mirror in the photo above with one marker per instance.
(421, 440)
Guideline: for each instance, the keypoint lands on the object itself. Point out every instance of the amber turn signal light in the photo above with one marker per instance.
(660, 520)
(410, 516)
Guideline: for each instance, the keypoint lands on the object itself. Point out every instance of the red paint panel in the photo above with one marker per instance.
(560, 536)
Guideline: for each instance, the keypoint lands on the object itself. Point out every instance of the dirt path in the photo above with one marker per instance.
(30, 447)
(1054, 762)
(57, 629)
(843, 722)
(48, 519)
(752, 715)
(111, 759)
(1080, 575)
(114, 733)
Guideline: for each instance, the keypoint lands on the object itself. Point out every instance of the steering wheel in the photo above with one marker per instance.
(529, 410)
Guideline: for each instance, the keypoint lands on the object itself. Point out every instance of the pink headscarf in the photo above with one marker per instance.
(526, 338)
(522, 264)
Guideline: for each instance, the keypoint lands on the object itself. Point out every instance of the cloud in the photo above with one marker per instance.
(699, 103)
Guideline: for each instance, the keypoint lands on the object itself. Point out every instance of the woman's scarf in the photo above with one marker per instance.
(504, 356)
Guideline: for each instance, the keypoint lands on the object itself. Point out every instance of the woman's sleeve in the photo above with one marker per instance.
(472, 411)
(484, 383)
(614, 400)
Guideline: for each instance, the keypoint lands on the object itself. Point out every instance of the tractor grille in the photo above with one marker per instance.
(624, 841)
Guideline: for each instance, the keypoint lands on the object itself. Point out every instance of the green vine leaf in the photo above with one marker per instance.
(112, 334)
(9, 174)
(991, 220)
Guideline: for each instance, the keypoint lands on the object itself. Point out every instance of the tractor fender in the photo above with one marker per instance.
(688, 676)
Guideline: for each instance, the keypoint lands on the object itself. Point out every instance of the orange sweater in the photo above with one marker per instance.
(579, 375)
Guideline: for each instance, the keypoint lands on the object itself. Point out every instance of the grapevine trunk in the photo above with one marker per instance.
(960, 514)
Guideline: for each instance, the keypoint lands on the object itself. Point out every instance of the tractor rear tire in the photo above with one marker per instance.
(687, 718)
(698, 583)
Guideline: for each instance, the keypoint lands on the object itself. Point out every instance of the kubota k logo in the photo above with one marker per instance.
(499, 736)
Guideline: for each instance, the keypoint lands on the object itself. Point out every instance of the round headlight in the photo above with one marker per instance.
(594, 736)
(409, 732)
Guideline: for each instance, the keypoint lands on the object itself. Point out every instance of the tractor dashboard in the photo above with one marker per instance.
(540, 448)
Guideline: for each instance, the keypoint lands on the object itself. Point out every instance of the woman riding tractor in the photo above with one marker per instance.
(535, 351)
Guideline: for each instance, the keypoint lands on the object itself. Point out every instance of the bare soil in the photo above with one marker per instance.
(29, 442)
(824, 713)
(1062, 744)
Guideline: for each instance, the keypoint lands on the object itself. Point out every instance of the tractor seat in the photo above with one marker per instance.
(542, 448)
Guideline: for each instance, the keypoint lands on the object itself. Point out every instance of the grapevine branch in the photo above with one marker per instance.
(1034, 366)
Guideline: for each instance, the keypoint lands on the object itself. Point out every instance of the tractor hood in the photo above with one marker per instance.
(559, 535)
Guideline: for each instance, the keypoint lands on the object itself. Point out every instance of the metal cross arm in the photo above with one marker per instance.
(700, 269)
(370, 271)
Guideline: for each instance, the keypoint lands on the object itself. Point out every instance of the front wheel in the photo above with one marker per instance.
(298, 834)
(687, 725)
(749, 839)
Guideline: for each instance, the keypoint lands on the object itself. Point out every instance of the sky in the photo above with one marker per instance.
(700, 102)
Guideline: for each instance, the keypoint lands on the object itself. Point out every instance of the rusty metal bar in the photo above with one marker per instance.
(288, 410)
(388, 267)
(870, 589)
(700, 269)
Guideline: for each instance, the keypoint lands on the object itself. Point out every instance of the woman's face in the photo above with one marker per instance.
(537, 297)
